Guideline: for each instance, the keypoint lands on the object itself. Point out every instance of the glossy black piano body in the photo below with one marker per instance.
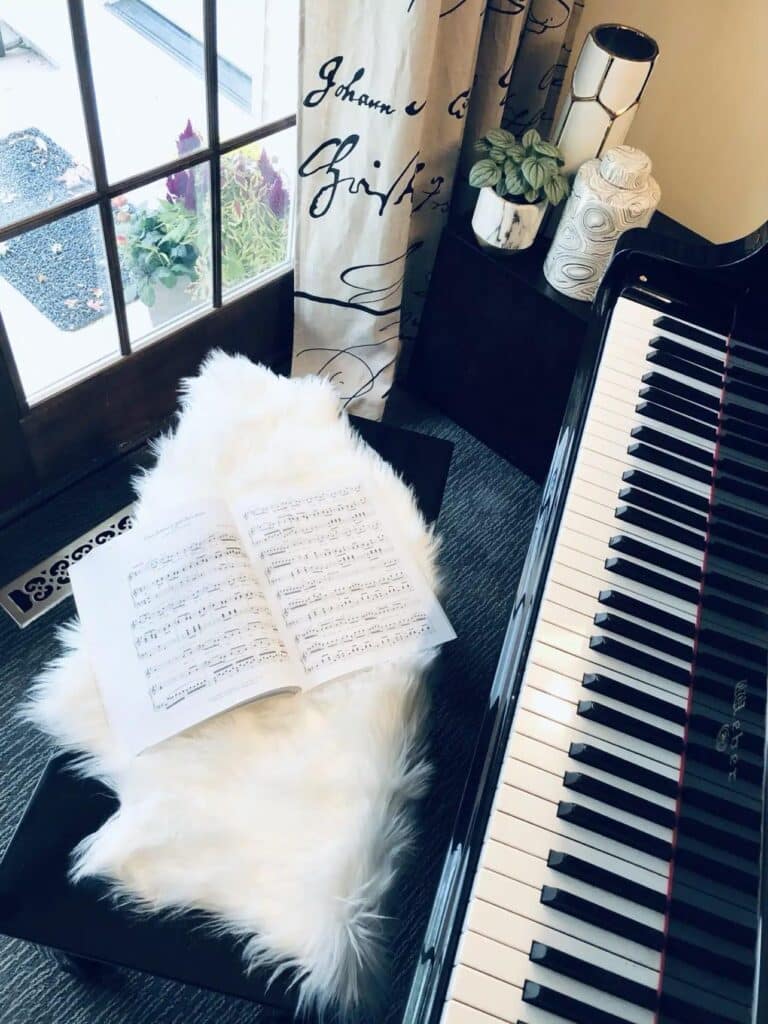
(720, 817)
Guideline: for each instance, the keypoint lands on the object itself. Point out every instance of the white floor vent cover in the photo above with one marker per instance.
(39, 589)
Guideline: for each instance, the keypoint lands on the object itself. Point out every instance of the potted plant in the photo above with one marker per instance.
(517, 181)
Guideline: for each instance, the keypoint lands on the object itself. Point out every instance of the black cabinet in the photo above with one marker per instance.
(498, 347)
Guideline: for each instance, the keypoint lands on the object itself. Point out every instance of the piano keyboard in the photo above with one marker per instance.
(618, 876)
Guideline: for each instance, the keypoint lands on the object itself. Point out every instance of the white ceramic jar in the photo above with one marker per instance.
(609, 196)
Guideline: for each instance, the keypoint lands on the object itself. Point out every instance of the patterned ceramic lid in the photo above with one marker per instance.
(626, 167)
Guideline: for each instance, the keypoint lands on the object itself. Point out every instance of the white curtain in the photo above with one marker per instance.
(384, 97)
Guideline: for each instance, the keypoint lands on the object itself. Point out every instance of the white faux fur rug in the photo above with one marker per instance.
(284, 819)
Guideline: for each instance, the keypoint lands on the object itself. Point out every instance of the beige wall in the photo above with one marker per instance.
(704, 117)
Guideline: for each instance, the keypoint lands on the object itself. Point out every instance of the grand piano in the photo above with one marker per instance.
(608, 861)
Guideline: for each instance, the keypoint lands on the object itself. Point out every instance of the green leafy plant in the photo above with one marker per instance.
(527, 171)
(158, 245)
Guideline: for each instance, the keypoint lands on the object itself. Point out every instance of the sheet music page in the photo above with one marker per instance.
(178, 626)
(349, 596)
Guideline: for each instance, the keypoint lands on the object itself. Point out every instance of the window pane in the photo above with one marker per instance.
(149, 87)
(164, 240)
(44, 156)
(256, 208)
(56, 302)
(258, 43)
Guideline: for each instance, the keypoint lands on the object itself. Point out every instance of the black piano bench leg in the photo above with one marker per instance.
(80, 967)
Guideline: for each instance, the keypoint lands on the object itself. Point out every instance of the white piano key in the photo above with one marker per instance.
(460, 1013)
(523, 748)
(503, 860)
(572, 691)
(556, 734)
(474, 945)
(537, 841)
(517, 775)
(567, 597)
(477, 948)
(569, 558)
(570, 645)
(490, 996)
(603, 529)
(537, 811)
(561, 711)
(563, 618)
(516, 897)
(590, 545)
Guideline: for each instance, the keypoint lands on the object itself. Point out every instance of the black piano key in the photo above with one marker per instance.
(648, 613)
(692, 355)
(657, 457)
(648, 481)
(661, 414)
(656, 379)
(575, 867)
(620, 768)
(572, 1009)
(613, 796)
(593, 913)
(628, 655)
(596, 977)
(717, 342)
(682, 1003)
(653, 555)
(611, 623)
(647, 510)
(670, 443)
(681, 406)
(635, 698)
(660, 527)
(604, 825)
(655, 580)
(630, 725)
(686, 369)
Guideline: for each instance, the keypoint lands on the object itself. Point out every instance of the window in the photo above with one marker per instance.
(147, 161)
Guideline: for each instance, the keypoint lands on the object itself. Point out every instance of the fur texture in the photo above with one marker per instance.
(284, 819)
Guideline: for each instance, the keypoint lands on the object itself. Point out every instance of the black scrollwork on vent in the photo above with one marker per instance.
(54, 578)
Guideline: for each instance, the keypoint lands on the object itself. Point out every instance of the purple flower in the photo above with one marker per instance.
(277, 198)
(181, 186)
(188, 141)
(268, 172)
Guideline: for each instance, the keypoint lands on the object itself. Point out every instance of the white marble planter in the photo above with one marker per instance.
(501, 224)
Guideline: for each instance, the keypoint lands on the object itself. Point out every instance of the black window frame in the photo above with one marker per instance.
(47, 445)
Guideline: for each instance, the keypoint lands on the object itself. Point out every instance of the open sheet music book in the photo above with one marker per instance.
(217, 606)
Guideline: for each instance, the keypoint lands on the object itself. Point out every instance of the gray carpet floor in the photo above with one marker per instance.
(486, 521)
